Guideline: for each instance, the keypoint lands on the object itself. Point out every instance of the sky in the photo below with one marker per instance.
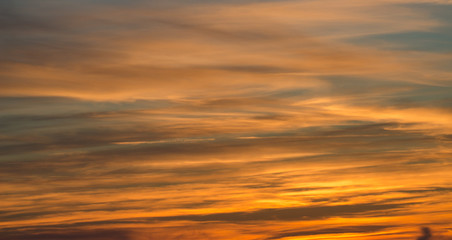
(225, 119)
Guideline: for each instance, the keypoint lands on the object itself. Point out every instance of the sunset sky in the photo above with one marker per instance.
(225, 119)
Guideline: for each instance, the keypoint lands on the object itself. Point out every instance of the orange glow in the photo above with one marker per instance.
(248, 120)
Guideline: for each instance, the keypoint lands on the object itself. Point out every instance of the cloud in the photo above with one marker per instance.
(202, 119)
(98, 234)
(176, 51)
(352, 229)
(288, 214)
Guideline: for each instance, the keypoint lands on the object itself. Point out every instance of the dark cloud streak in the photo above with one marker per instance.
(290, 214)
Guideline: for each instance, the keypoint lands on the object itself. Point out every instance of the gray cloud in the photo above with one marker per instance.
(346, 229)
(290, 214)
(58, 234)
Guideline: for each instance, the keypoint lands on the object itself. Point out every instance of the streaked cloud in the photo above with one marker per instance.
(141, 120)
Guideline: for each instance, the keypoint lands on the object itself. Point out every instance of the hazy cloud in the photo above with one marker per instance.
(225, 119)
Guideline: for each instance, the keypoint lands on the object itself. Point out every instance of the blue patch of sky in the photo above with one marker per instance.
(430, 96)
(437, 39)
(352, 84)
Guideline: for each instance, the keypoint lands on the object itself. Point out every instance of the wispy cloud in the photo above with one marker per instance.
(144, 120)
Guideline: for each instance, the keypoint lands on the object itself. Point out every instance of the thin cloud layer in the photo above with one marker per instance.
(141, 120)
